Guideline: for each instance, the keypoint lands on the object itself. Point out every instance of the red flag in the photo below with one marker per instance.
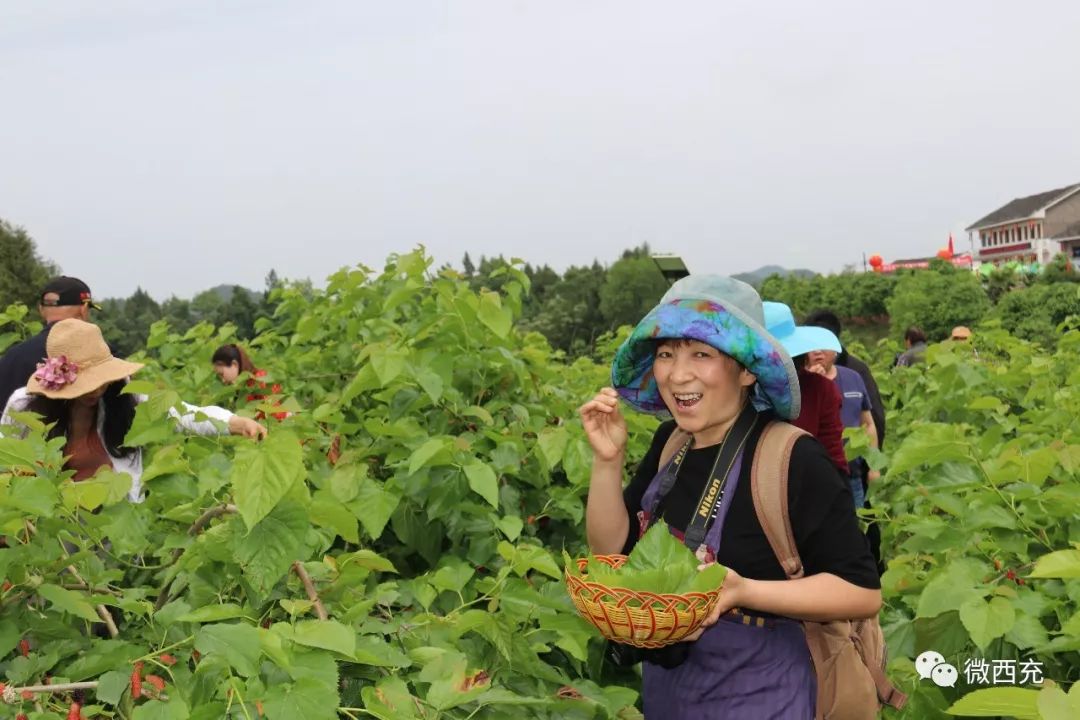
(950, 245)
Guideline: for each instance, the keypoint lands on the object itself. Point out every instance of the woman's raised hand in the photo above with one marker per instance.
(604, 425)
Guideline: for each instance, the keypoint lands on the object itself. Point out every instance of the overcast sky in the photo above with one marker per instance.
(177, 145)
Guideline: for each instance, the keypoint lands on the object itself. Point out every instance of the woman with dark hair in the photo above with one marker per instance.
(231, 360)
(704, 358)
(78, 389)
(74, 419)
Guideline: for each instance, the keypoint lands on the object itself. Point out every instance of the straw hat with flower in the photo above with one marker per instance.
(78, 362)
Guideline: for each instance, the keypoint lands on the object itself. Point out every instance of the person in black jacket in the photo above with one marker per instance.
(828, 320)
(62, 298)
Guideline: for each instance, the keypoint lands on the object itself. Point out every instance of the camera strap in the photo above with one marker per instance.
(712, 496)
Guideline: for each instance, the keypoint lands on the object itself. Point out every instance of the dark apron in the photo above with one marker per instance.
(744, 667)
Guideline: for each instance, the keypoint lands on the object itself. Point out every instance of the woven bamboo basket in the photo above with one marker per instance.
(641, 619)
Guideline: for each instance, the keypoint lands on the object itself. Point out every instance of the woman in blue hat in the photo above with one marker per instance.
(821, 399)
(703, 357)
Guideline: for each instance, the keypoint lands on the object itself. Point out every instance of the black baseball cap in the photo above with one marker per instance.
(68, 291)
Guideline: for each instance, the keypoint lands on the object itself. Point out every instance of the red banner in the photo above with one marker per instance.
(962, 260)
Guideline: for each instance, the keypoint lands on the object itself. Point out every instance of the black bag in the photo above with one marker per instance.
(670, 656)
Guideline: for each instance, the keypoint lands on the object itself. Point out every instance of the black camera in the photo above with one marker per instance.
(670, 656)
(621, 655)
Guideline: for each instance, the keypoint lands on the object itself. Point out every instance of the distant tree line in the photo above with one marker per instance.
(126, 321)
(573, 309)
(22, 271)
(1030, 306)
(856, 297)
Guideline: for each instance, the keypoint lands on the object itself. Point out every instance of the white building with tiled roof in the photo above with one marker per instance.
(1030, 229)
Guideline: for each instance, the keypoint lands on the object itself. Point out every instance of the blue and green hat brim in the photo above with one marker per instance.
(728, 330)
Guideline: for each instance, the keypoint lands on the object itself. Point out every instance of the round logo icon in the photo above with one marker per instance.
(925, 663)
(944, 675)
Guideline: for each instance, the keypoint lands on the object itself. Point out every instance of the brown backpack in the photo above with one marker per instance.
(848, 655)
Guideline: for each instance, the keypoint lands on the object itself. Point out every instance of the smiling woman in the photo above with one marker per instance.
(704, 387)
(703, 356)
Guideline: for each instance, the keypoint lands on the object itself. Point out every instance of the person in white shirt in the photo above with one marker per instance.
(78, 388)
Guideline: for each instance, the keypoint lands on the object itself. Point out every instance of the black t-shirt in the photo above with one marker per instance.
(19, 363)
(820, 504)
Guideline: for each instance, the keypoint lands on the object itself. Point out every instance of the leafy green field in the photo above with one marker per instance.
(981, 512)
(426, 488)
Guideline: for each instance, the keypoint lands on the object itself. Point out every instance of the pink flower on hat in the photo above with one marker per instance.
(56, 372)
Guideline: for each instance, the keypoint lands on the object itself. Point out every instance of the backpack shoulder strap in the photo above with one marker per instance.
(769, 488)
(675, 441)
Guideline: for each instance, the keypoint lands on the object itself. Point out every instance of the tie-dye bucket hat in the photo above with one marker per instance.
(718, 311)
